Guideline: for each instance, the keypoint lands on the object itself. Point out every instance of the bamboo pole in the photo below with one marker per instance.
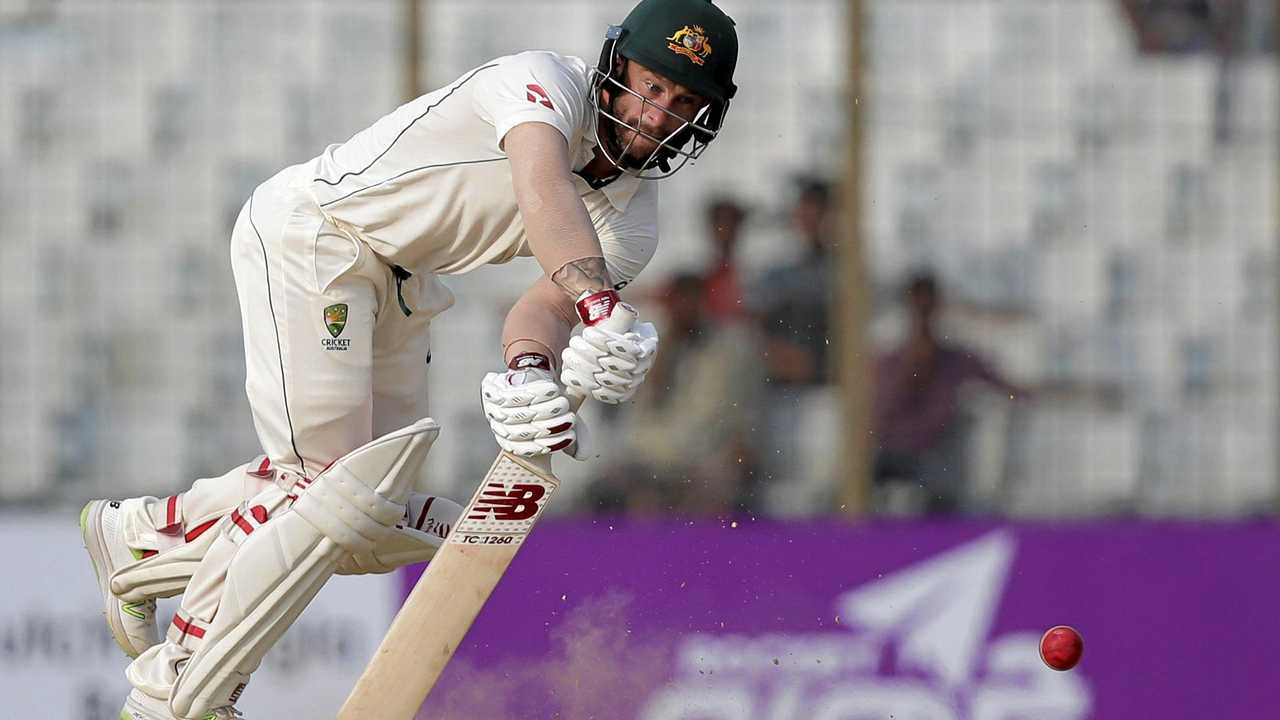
(1275, 429)
(851, 296)
(413, 13)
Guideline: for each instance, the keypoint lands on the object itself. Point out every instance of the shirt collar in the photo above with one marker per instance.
(618, 191)
(621, 190)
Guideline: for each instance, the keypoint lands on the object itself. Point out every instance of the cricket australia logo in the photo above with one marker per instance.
(335, 321)
(691, 42)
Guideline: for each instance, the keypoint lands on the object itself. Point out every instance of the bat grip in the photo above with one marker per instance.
(620, 320)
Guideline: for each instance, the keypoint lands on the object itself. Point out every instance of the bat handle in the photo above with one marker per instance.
(620, 320)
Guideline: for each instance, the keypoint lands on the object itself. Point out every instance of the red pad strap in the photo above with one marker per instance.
(187, 627)
(241, 523)
(248, 523)
(172, 516)
(264, 468)
(299, 486)
(200, 529)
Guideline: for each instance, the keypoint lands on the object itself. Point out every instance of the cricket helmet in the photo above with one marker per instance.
(691, 42)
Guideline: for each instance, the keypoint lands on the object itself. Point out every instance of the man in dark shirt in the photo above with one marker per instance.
(793, 300)
(723, 286)
(917, 417)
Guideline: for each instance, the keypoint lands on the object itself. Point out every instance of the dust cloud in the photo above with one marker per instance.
(596, 669)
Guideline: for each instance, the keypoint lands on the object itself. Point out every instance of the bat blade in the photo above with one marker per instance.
(459, 579)
(450, 594)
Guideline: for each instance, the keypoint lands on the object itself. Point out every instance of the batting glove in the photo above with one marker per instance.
(606, 361)
(528, 411)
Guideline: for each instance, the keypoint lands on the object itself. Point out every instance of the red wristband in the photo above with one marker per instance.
(526, 360)
(597, 306)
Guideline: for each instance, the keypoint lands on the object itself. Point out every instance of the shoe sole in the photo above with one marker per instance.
(96, 545)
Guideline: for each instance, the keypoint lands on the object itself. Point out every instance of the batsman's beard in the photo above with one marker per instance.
(619, 149)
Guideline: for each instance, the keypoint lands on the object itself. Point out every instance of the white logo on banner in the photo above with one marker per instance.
(915, 645)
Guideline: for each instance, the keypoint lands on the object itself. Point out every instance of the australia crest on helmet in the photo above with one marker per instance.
(690, 41)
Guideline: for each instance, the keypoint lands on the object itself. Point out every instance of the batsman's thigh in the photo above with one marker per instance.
(402, 352)
(309, 299)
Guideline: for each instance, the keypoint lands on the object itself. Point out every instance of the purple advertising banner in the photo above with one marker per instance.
(825, 621)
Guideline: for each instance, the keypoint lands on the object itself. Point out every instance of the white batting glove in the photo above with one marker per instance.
(528, 411)
(611, 357)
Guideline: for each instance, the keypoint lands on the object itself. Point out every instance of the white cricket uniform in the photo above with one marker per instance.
(335, 263)
(335, 329)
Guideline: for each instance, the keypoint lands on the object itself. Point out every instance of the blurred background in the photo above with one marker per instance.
(958, 266)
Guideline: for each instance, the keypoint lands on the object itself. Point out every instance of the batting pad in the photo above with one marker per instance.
(278, 569)
(406, 545)
(167, 574)
(164, 575)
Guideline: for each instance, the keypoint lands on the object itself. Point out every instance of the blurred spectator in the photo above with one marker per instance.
(793, 300)
(917, 419)
(1191, 26)
(686, 438)
(791, 304)
(723, 286)
(1226, 29)
(1172, 26)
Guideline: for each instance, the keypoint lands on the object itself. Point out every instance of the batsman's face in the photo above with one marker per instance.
(658, 107)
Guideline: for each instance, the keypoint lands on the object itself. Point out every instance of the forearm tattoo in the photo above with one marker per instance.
(583, 275)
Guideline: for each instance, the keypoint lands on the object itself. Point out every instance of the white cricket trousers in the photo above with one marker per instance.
(336, 340)
(336, 350)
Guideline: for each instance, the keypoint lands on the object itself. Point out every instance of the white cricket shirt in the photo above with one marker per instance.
(427, 187)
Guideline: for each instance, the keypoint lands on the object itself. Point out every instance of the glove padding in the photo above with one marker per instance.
(529, 413)
(609, 366)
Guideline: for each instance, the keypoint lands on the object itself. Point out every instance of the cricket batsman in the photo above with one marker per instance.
(336, 263)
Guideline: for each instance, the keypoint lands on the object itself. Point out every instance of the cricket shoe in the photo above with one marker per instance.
(133, 624)
(140, 706)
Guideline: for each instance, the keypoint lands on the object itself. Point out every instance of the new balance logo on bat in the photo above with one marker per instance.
(499, 502)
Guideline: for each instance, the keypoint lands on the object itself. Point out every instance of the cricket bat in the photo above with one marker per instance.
(458, 581)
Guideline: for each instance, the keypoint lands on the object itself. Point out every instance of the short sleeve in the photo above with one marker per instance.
(531, 87)
(629, 239)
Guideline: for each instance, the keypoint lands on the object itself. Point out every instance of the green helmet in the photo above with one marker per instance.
(691, 42)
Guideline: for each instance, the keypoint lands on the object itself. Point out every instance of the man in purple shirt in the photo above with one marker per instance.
(917, 416)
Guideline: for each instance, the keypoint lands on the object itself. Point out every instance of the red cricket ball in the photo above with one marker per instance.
(1061, 647)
